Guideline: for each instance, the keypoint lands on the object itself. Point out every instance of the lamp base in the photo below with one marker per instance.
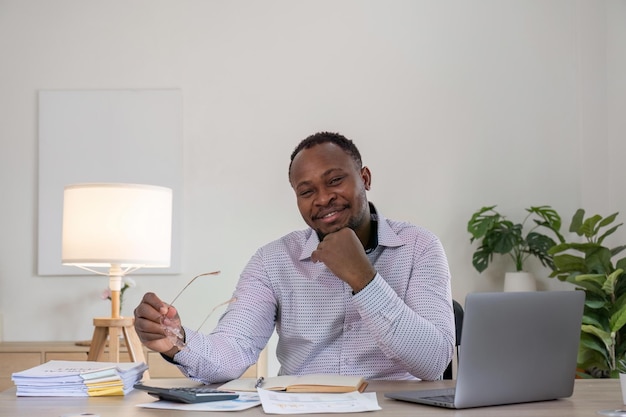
(111, 329)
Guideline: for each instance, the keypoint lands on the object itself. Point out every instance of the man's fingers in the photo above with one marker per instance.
(148, 330)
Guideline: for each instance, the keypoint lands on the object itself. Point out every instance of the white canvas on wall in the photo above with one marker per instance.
(126, 136)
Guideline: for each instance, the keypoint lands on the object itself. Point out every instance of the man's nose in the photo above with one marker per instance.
(325, 196)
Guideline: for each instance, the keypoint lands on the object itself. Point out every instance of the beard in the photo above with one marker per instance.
(354, 222)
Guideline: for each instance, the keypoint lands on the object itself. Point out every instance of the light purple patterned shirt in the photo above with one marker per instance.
(400, 326)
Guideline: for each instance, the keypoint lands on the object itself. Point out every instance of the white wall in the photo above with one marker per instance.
(454, 105)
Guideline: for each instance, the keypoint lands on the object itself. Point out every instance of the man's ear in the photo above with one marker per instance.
(366, 176)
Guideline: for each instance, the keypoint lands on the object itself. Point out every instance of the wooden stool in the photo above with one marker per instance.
(111, 329)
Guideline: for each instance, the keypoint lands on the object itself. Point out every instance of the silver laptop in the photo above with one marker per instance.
(516, 347)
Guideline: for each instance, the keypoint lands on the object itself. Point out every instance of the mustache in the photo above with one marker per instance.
(327, 210)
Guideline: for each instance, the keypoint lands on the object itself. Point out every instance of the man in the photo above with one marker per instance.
(354, 294)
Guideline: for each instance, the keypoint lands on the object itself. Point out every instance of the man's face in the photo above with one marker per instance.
(330, 190)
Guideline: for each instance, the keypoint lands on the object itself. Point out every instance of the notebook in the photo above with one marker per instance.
(516, 347)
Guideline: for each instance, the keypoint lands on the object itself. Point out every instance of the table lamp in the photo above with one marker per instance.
(121, 228)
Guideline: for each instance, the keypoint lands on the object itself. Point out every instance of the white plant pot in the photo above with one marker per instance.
(519, 281)
(617, 412)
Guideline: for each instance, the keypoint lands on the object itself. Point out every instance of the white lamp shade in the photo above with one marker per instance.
(125, 224)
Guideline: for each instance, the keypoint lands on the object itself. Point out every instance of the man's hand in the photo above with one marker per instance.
(152, 316)
(343, 253)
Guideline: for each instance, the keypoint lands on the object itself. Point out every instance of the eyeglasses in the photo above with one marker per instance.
(173, 328)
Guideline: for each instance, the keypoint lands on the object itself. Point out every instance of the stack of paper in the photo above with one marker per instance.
(78, 379)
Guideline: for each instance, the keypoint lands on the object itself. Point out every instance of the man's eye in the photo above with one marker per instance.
(336, 180)
(305, 193)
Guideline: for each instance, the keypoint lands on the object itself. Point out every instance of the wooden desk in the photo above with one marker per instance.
(589, 397)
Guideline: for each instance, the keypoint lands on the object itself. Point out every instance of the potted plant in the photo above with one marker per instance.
(499, 236)
(589, 266)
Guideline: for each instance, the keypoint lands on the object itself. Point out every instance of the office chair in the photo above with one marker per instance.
(458, 324)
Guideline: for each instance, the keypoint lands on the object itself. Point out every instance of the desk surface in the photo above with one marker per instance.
(589, 397)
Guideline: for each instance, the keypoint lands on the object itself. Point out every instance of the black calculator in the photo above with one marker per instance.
(199, 394)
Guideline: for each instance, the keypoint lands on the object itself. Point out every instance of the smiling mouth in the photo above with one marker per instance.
(329, 217)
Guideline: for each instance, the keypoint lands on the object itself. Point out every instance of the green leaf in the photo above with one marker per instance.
(620, 301)
(584, 247)
(603, 335)
(592, 352)
(617, 250)
(594, 343)
(596, 304)
(591, 287)
(479, 224)
(569, 263)
(600, 312)
(560, 277)
(608, 219)
(608, 233)
(577, 222)
(551, 219)
(618, 319)
(597, 278)
(559, 247)
(598, 261)
(481, 258)
(504, 237)
(548, 214)
(538, 245)
(611, 279)
(588, 319)
(588, 228)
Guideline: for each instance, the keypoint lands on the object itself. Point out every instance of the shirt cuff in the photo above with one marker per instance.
(170, 360)
(368, 283)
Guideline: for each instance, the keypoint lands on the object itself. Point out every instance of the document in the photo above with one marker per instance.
(78, 379)
(246, 400)
(300, 383)
(277, 402)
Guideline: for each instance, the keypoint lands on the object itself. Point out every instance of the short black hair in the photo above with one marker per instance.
(328, 137)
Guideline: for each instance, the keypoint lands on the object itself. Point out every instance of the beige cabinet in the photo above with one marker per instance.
(18, 356)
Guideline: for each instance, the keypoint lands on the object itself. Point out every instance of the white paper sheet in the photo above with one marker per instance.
(246, 400)
(275, 402)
